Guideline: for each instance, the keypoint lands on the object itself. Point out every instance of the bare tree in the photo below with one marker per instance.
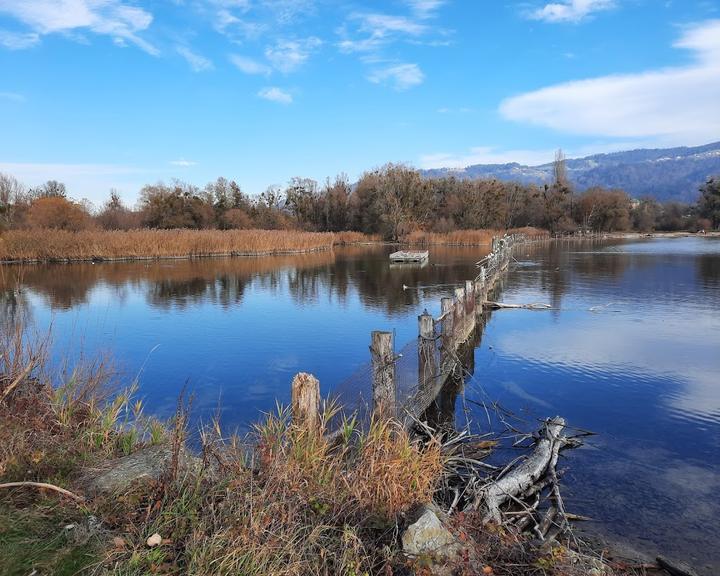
(10, 192)
(560, 169)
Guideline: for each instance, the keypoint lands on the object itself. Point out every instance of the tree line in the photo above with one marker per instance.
(392, 201)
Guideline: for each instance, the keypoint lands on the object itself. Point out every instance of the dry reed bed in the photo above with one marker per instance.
(468, 237)
(61, 245)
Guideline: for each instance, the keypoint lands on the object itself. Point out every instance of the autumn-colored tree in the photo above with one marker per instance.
(235, 218)
(58, 212)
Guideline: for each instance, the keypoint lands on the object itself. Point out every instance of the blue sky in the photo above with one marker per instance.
(107, 94)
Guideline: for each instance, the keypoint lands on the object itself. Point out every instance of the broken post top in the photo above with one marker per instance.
(306, 400)
(426, 326)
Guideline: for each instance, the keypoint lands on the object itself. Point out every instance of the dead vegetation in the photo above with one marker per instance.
(65, 245)
(469, 237)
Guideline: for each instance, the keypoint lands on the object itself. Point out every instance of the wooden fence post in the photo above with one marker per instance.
(446, 309)
(459, 315)
(469, 298)
(427, 357)
(306, 401)
(383, 366)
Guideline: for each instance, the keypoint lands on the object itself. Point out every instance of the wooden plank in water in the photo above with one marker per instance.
(409, 256)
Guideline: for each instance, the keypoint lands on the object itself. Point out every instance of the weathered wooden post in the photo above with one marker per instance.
(427, 358)
(446, 309)
(383, 367)
(459, 315)
(306, 401)
(469, 298)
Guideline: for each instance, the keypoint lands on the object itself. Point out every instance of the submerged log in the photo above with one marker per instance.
(502, 306)
(675, 568)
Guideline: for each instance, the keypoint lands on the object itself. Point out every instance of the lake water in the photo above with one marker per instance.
(631, 351)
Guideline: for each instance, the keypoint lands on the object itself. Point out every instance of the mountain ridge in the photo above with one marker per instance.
(666, 174)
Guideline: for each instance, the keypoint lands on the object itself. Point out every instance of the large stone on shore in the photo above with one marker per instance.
(428, 537)
(145, 466)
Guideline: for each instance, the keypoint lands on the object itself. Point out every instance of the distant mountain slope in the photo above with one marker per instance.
(665, 174)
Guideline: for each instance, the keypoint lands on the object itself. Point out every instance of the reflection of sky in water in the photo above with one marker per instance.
(634, 354)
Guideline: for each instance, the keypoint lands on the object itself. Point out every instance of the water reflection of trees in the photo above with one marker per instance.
(310, 277)
(224, 282)
(708, 269)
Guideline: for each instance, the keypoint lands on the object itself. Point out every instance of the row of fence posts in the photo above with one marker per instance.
(458, 316)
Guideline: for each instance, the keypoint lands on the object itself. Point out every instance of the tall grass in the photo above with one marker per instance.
(468, 237)
(287, 500)
(48, 245)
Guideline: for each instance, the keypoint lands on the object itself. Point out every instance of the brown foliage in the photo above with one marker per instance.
(87, 245)
(58, 213)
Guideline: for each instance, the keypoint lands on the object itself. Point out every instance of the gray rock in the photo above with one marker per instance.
(428, 536)
(144, 466)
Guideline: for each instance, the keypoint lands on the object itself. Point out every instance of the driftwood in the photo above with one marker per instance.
(523, 480)
(503, 306)
(43, 486)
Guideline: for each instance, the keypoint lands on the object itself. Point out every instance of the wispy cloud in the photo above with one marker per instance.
(274, 94)
(115, 18)
(182, 163)
(289, 55)
(400, 76)
(18, 40)
(12, 96)
(425, 8)
(670, 105)
(250, 66)
(197, 62)
(570, 10)
(460, 110)
(373, 31)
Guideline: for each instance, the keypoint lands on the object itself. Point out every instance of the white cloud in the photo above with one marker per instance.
(400, 76)
(460, 110)
(183, 163)
(274, 94)
(287, 11)
(288, 55)
(197, 62)
(249, 66)
(12, 96)
(375, 30)
(485, 155)
(18, 40)
(570, 10)
(425, 8)
(639, 348)
(237, 29)
(113, 18)
(670, 105)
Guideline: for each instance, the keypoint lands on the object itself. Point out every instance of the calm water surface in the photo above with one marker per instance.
(631, 351)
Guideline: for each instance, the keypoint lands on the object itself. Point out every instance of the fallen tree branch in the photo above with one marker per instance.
(43, 486)
(502, 306)
(522, 478)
